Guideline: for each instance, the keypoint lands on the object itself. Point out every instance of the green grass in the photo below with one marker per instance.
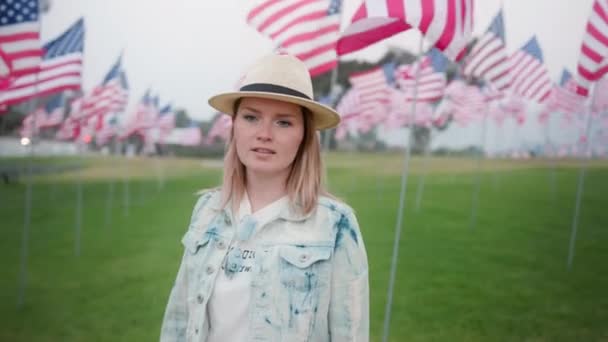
(503, 280)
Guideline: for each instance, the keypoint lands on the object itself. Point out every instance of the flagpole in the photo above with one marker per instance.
(125, 181)
(480, 157)
(549, 156)
(27, 212)
(398, 226)
(581, 182)
(27, 215)
(110, 195)
(78, 219)
(425, 171)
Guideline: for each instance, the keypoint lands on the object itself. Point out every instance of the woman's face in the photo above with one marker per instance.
(267, 135)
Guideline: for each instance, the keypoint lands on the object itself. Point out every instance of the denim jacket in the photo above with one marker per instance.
(310, 277)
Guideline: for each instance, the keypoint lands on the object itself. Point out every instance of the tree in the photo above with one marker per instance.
(182, 119)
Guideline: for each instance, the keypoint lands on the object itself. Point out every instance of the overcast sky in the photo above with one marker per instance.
(188, 50)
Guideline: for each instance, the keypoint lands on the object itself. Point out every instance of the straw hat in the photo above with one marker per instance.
(279, 77)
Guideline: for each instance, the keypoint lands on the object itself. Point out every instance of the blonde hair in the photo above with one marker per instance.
(304, 182)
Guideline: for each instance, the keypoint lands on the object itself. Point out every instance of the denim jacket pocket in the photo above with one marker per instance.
(193, 240)
(304, 273)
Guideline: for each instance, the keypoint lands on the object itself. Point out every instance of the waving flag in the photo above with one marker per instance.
(54, 111)
(189, 136)
(111, 96)
(431, 77)
(307, 29)
(5, 70)
(600, 101)
(489, 59)
(165, 122)
(19, 37)
(593, 62)
(144, 118)
(564, 98)
(220, 129)
(60, 69)
(530, 76)
(446, 24)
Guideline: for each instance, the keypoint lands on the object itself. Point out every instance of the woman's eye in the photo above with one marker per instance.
(249, 117)
(283, 123)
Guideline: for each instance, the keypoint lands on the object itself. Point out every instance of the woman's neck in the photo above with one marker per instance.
(264, 189)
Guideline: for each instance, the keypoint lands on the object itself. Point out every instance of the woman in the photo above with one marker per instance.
(270, 256)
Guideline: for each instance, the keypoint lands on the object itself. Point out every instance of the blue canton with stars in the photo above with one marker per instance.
(18, 11)
(334, 7)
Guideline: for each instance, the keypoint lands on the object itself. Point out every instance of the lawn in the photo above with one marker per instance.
(503, 280)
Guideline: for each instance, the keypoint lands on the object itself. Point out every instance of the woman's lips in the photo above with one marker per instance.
(263, 150)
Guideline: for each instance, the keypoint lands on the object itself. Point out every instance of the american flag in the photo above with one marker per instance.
(144, 118)
(468, 103)
(32, 122)
(593, 63)
(431, 77)
(220, 129)
(307, 29)
(600, 101)
(69, 129)
(563, 98)
(165, 122)
(19, 38)
(446, 24)
(515, 107)
(349, 103)
(489, 59)
(111, 96)
(374, 93)
(60, 69)
(54, 111)
(107, 128)
(530, 76)
(189, 136)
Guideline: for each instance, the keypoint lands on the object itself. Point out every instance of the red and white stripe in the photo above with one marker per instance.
(55, 75)
(21, 47)
(302, 28)
(489, 58)
(530, 77)
(105, 99)
(593, 62)
(221, 129)
(371, 86)
(431, 84)
(446, 24)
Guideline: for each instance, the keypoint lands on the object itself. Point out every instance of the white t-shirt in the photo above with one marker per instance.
(228, 306)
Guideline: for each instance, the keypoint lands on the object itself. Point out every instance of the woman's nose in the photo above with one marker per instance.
(265, 131)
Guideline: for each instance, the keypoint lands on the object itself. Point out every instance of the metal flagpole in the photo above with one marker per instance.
(125, 183)
(27, 214)
(581, 182)
(398, 226)
(425, 171)
(498, 154)
(480, 157)
(78, 227)
(549, 148)
(110, 195)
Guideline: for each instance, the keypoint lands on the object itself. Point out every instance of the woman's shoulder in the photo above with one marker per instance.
(334, 205)
(206, 197)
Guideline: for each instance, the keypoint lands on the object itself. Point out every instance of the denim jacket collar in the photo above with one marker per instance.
(289, 212)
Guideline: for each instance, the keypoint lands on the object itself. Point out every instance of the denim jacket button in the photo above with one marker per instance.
(303, 257)
(199, 299)
(209, 269)
(221, 245)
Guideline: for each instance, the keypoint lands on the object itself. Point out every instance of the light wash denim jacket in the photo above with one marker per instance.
(310, 279)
